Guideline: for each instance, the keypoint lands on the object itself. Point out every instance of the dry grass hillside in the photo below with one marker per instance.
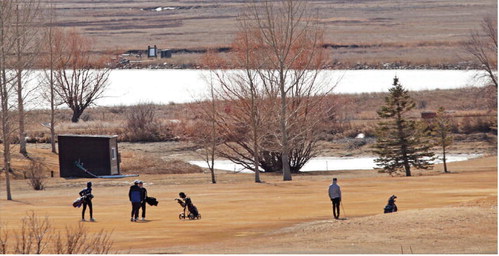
(372, 32)
(470, 109)
(472, 124)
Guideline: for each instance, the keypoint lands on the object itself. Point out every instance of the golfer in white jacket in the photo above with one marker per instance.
(335, 196)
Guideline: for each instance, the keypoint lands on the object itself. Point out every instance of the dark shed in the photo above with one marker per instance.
(166, 53)
(428, 115)
(97, 153)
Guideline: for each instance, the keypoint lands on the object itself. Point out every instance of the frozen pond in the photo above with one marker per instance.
(164, 86)
(329, 163)
(128, 87)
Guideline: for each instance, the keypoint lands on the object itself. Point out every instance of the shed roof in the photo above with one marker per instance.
(88, 136)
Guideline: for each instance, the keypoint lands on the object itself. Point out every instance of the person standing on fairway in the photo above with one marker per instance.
(144, 197)
(136, 196)
(87, 196)
(335, 196)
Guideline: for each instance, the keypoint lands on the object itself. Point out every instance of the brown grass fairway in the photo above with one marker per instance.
(438, 213)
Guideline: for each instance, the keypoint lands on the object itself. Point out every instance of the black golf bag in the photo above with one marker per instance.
(152, 201)
(192, 213)
(78, 202)
(391, 206)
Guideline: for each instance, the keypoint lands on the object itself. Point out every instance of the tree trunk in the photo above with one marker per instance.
(212, 169)
(407, 168)
(52, 93)
(6, 163)
(212, 156)
(255, 137)
(286, 171)
(403, 146)
(444, 159)
(20, 105)
(52, 112)
(255, 164)
(4, 100)
(76, 115)
(5, 131)
(51, 35)
(19, 71)
(213, 134)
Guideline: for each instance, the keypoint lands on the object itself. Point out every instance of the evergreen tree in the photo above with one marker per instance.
(401, 142)
(441, 130)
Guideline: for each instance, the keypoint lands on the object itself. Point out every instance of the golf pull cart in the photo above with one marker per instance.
(189, 210)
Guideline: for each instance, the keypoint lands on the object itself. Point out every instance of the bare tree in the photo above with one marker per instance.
(442, 132)
(244, 47)
(27, 16)
(36, 175)
(79, 81)
(205, 133)
(142, 124)
(277, 101)
(77, 240)
(39, 230)
(293, 56)
(211, 141)
(482, 46)
(240, 89)
(7, 44)
(239, 122)
(33, 235)
(36, 235)
(18, 20)
(52, 42)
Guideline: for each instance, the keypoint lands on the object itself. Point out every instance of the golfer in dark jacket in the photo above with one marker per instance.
(135, 195)
(87, 196)
(143, 204)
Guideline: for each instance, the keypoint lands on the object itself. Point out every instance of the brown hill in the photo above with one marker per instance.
(371, 32)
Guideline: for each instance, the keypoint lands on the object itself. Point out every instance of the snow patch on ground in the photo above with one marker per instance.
(330, 163)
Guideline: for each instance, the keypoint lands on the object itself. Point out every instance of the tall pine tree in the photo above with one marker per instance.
(401, 142)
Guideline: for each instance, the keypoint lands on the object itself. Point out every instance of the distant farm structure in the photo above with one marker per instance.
(150, 52)
(428, 114)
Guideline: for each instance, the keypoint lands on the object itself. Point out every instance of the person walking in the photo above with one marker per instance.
(144, 197)
(335, 196)
(87, 196)
(135, 196)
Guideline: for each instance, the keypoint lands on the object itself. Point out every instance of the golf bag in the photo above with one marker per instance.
(78, 202)
(192, 213)
(391, 206)
(152, 201)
